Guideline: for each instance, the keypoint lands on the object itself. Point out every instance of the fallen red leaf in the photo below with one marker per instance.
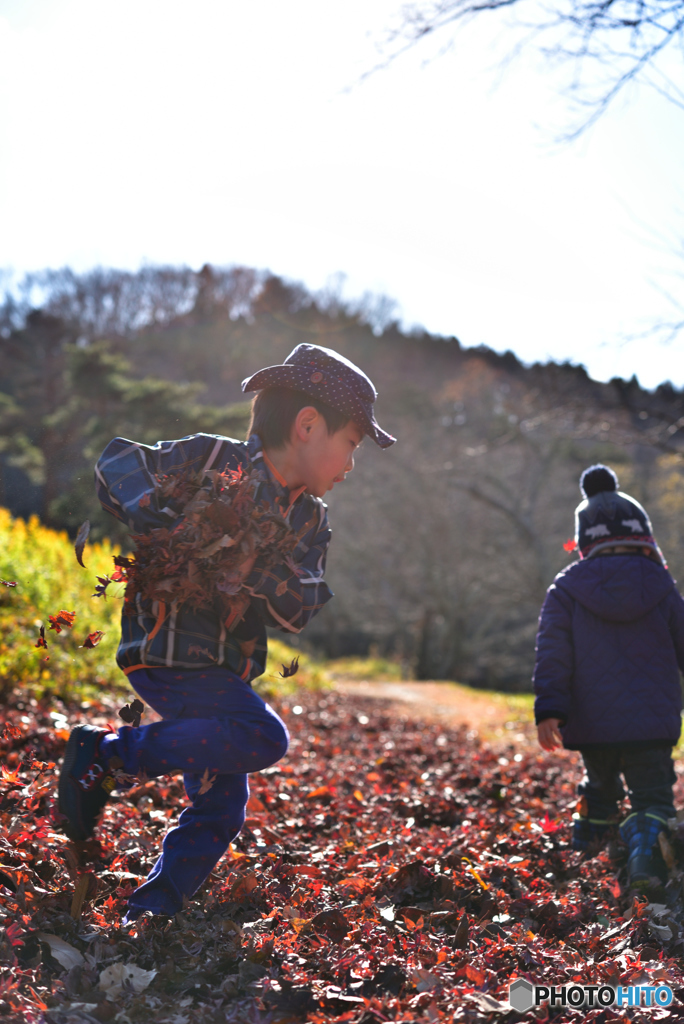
(423, 902)
(332, 923)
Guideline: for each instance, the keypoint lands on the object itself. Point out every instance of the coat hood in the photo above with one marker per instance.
(619, 588)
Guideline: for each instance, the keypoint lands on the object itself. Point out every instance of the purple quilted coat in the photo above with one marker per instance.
(609, 650)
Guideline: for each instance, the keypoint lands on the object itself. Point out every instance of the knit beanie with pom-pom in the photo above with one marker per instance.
(607, 517)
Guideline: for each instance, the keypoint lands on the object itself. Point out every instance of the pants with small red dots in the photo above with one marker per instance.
(212, 721)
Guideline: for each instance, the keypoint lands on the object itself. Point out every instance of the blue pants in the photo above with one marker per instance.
(648, 771)
(213, 721)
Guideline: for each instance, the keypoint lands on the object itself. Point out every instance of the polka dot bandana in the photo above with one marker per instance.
(329, 377)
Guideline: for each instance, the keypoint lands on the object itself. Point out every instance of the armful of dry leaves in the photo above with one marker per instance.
(206, 556)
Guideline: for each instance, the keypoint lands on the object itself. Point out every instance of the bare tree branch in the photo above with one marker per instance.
(625, 39)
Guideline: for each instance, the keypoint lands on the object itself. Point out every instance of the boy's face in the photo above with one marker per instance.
(326, 458)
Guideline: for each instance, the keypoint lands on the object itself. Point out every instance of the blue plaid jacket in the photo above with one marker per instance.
(156, 634)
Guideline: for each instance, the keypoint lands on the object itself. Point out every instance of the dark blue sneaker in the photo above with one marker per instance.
(85, 782)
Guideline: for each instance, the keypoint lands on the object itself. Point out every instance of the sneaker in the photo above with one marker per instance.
(85, 782)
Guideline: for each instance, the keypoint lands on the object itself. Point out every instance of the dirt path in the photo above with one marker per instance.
(493, 716)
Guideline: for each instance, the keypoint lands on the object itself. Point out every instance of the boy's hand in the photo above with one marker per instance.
(549, 735)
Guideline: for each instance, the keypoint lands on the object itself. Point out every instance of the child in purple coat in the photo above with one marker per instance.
(610, 648)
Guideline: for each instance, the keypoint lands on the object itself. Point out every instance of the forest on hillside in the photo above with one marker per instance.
(443, 545)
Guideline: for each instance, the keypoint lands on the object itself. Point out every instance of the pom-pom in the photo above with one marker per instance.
(596, 479)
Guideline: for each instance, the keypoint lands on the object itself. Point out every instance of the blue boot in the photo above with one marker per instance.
(588, 832)
(640, 832)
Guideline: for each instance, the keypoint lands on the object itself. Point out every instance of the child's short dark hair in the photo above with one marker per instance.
(275, 409)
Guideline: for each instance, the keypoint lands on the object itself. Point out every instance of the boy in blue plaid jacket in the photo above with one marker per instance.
(193, 666)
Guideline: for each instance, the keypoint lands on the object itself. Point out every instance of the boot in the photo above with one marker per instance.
(588, 832)
(640, 832)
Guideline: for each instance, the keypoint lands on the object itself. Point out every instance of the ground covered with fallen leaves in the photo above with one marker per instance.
(389, 870)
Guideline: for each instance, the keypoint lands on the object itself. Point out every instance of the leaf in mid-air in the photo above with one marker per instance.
(9, 583)
(102, 584)
(41, 642)
(93, 639)
(80, 543)
(289, 670)
(62, 618)
(132, 713)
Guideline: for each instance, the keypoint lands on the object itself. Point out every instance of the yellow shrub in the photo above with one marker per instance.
(49, 578)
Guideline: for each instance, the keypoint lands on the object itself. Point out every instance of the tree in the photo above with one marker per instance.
(105, 302)
(33, 396)
(62, 400)
(609, 42)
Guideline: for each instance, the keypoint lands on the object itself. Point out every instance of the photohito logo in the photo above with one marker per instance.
(524, 996)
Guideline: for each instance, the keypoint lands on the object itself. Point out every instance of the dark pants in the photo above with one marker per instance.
(647, 770)
(215, 729)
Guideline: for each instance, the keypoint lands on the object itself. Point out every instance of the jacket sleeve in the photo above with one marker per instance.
(126, 472)
(285, 599)
(554, 666)
(677, 626)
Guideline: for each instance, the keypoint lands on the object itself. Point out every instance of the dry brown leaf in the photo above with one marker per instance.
(80, 542)
(63, 952)
(132, 713)
(118, 978)
(206, 557)
(206, 782)
(80, 893)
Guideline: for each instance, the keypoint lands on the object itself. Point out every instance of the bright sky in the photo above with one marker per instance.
(239, 132)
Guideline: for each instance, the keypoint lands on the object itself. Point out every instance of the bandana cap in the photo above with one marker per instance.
(329, 377)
